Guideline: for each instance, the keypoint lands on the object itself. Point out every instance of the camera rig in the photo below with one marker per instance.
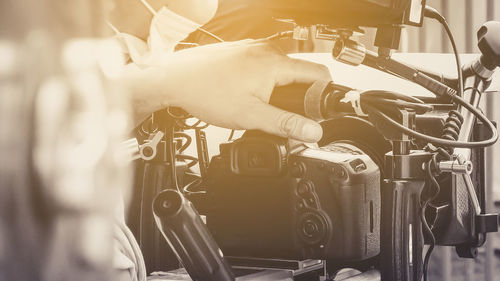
(426, 176)
(430, 152)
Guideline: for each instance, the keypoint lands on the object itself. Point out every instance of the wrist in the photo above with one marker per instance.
(148, 90)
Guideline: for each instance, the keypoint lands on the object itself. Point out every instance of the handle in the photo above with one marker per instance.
(189, 237)
(318, 101)
(402, 239)
(290, 97)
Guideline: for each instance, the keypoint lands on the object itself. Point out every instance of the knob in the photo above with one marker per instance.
(304, 187)
(489, 43)
(349, 51)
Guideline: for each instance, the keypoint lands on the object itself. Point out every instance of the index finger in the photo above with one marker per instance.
(291, 70)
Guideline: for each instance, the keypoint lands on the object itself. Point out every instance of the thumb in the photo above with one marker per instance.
(285, 124)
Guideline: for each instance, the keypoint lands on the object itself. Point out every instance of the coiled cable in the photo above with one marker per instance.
(452, 126)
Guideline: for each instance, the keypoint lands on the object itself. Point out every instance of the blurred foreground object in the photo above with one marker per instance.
(60, 123)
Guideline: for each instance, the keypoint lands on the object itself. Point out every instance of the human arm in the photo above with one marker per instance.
(228, 85)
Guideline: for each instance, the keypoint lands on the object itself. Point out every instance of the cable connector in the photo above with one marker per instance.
(354, 97)
(432, 13)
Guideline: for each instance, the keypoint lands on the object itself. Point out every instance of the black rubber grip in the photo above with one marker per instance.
(290, 97)
(190, 238)
(318, 101)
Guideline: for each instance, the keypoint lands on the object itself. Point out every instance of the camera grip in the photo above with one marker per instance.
(402, 238)
(189, 238)
(290, 97)
(305, 99)
(317, 101)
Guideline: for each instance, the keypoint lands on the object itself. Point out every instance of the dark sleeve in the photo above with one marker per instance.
(241, 19)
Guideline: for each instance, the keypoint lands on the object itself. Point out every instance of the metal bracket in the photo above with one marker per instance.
(147, 151)
(463, 167)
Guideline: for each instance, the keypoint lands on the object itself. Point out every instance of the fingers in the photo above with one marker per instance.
(289, 70)
(247, 72)
(285, 124)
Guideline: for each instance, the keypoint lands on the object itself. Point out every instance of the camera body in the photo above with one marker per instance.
(451, 214)
(269, 201)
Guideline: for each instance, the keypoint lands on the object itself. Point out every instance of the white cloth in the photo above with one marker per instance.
(128, 259)
(166, 31)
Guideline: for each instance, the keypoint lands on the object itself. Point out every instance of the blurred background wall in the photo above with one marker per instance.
(464, 17)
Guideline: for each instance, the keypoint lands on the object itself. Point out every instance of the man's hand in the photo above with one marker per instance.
(230, 84)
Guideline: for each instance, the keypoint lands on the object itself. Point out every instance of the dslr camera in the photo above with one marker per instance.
(271, 201)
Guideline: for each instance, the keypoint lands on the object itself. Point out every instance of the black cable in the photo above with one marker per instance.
(434, 14)
(177, 113)
(370, 108)
(198, 122)
(186, 137)
(180, 116)
(193, 159)
(189, 173)
(395, 104)
(280, 35)
(169, 135)
(195, 183)
(231, 135)
(392, 95)
(181, 123)
(425, 224)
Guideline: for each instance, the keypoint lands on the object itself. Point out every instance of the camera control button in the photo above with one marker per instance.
(298, 169)
(304, 187)
(300, 206)
(358, 165)
(312, 228)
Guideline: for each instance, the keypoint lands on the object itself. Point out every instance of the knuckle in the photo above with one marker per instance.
(287, 123)
(253, 52)
(263, 50)
(324, 68)
(325, 71)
